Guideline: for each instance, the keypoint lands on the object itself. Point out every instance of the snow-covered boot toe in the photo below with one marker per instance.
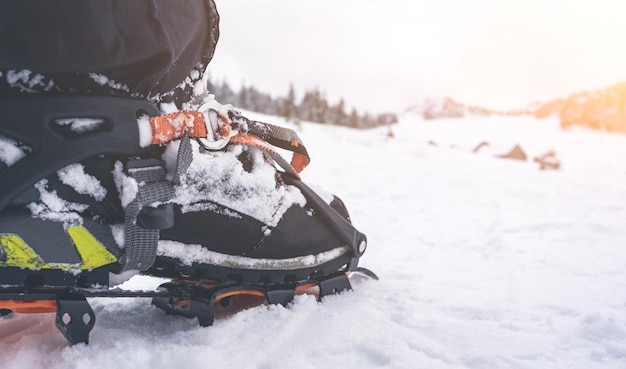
(210, 240)
(238, 218)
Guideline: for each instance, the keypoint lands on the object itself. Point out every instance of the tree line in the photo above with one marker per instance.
(313, 106)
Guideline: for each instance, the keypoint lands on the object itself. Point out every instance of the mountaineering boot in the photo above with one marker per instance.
(107, 188)
(98, 183)
(91, 189)
(86, 198)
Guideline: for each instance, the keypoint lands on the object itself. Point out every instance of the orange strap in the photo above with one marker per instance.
(30, 306)
(166, 128)
(298, 161)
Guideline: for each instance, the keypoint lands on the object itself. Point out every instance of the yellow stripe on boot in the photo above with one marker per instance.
(19, 254)
(92, 253)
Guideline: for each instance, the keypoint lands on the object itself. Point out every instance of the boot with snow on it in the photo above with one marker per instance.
(92, 194)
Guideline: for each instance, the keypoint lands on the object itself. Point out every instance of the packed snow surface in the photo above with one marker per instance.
(483, 263)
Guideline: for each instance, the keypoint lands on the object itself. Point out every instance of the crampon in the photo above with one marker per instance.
(205, 301)
(228, 247)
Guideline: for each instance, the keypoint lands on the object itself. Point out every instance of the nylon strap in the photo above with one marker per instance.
(284, 138)
(273, 135)
(166, 128)
(154, 188)
(141, 244)
(252, 140)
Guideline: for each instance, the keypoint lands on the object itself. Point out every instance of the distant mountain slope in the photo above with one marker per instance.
(446, 107)
(603, 109)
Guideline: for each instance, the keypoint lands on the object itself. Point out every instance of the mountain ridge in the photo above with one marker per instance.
(601, 109)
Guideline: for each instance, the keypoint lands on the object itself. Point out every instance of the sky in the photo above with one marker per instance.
(386, 56)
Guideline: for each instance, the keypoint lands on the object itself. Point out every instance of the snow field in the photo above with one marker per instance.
(483, 263)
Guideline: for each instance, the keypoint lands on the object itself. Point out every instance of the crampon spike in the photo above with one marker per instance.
(208, 302)
(202, 300)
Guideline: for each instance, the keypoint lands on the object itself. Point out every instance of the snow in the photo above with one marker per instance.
(483, 263)
(74, 176)
(52, 207)
(219, 176)
(188, 254)
(126, 186)
(145, 131)
(11, 152)
(14, 77)
(25, 81)
(81, 125)
(103, 80)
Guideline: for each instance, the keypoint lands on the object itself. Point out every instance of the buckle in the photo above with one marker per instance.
(219, 128)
